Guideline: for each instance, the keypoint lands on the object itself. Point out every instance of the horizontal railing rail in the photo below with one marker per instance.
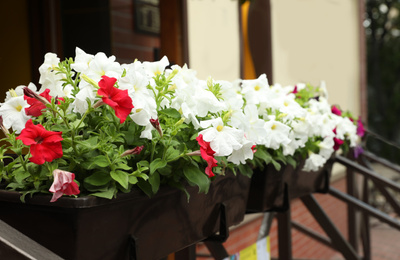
(15, 245)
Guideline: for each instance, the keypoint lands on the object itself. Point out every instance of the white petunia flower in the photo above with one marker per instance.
(223, 139)
(240, 156)
(19, 91)
(314, 162)
(157, 67)
(13, 113)
(257, 90)
(277, 134)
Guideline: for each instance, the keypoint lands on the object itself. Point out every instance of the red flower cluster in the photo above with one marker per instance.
(45, 146)
(118, 99)
(207, 154)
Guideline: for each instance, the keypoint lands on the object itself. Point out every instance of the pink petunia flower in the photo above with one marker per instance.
(63, 184)
(45, 146)
(338, 143)
(118, 99)
(335, 110)
(207, 154)
(360, 128)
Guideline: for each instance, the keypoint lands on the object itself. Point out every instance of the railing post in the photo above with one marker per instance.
(338, 241)
(365, 225)
(353, 223)
(284, 235)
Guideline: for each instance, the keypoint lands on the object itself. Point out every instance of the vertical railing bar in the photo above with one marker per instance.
(352, 226)
(284, 235)
(327, 225)
(365, 224)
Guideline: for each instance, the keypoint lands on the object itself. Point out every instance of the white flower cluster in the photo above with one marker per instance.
(232, 116)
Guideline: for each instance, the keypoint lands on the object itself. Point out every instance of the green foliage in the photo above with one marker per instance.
(383, 66)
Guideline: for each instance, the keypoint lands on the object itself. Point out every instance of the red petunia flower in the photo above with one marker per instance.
(208, 155)
(118, 99)
(45, 146)
(63, 184)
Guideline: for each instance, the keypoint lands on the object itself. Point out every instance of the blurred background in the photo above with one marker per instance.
(351, 46)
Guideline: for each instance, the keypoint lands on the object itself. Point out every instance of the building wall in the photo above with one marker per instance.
(127, 43)
(213, 32)
(15, 59)
(318, 40)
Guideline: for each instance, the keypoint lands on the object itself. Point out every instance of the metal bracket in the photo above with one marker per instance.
(132, 248)
(223, 233)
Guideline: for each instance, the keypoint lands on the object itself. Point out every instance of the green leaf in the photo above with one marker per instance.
(132, 179)
(171, 154)
(123, 166)
(98, 178)
(121, 177)
(291, 161)
(154, 181)
(108, 194)
(100, 161)
(20, 174)
(276, 165)
(156, 164)
(245, 170)
(263, 155)
(170, 112)
(195, 176)
(145, 187)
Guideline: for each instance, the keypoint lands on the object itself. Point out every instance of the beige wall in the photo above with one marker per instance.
(213, 29)
(314, 40)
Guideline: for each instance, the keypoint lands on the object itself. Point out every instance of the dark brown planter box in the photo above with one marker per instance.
(132, 226)
(268, 191)
(272, 190)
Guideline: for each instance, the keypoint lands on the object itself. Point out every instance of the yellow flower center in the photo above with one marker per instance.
(157, 72)
(257, 88)
(273, 127)
(285, 103)
(19, 108)
(219, 128)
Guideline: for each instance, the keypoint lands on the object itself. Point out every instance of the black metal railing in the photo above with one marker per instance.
(15, 245)
(358, 200)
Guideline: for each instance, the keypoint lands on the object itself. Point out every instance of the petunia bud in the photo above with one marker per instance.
(90, 81)
(30, 93)
(134, 151)
(194, 153)
(156, 124)
(3, 128)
